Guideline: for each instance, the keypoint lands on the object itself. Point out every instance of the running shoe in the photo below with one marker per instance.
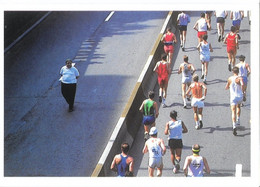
(160, 99)
(164, 105)
(202, 77)
(197, 126)
(219, 38)
(184, 106)
(174, 170)
(177, 167)
(188, 98)
(244, 98)
(235, 131)
(201, 124)
(182, 48)
(205, 82)
(229, 67)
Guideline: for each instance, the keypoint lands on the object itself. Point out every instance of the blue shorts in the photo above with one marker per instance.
(244, 80)
(236, 22)
(148, 120)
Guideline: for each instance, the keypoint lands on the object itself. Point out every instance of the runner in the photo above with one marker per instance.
(168, 39)
(149, 109)
(231, 40)
(175, 128)
(122, 163)
(163, 70)
(197, 101)
(237, 17)
(236, 86)
(201, 26)
(221, 15)
(187, 69)
(156, 148)
(204, 48)
(208, 15)
(182, 20)
(194, 164)
(244, 72)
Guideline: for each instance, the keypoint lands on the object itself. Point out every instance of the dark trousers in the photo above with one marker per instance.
(69, 91)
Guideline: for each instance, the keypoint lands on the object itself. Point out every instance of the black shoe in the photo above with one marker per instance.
(219, 38)
(202, 77)
(182, 49)
(244, 98)
(235, 131)
(184, 106)
(205, 82)
(160, 99)
(229, 67)
(201, 124)
(188, 98)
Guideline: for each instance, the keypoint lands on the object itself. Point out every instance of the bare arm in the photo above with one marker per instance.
(113, 164)
(210, 47)
(156, 109)
(206, 165)
(180, 69)
(141, 107)
(228, 84)
(145, 149)
(195, 27)
(186, 165)
(131, 164)
(184, 128)
(166, 130)
(248, 69)
(163, 147)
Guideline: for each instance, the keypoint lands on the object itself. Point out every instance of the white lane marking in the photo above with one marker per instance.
(111, 140)
(166, 23)
(109, 16)
(238, 170)
(26, 32)
(141, 77)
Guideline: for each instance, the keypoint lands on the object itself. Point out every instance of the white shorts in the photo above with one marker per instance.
(204, 58)
(155, 162)
(236, 100)
(186, 80)
(195, 102)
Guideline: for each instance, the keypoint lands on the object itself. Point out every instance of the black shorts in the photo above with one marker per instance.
(175, 143)
(220, 20)
(183, 27)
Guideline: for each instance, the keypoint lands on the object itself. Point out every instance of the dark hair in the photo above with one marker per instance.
(202, 15)
(164, 56)
(151, 94)
(185, 58)
(242, 58)
(173, 114)
(168, 29)
(205, 37)
(68, 60)
(235, 70)
(233, 29)
(125, 147)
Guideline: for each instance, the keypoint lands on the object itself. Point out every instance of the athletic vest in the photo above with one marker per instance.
(168, 39)
(186, 72)
(242, 69)
(163, 69)
(175, 129)
(122, 167)
(202, 25)
(231, 40)
(148, 107)
(204, 49)
(196, 166)
(235, 89)
(154, 148)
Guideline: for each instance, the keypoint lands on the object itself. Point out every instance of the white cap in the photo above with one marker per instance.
(153, 131)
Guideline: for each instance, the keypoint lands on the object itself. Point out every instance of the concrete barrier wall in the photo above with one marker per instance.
(131, 119)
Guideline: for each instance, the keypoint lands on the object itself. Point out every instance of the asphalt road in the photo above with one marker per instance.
(222, 150)
(41, 137)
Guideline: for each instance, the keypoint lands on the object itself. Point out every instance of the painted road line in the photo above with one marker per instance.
(166, 22)
(238, 170)
(141, 77)
(109, 16)
(26, 32)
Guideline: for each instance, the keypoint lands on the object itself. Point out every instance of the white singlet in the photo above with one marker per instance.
(196, 166)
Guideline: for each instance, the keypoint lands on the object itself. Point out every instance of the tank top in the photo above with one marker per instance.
(196, 90)
(242, 69)
(235, 89)
(196, 166)
(202, 25)
(186, 71)
(184, 19)
(163, 69)
(175, 129)
(168, 39)
(204, 49)
(122, 167)
(148, 107)
(236, 15)
(154, 148)
(231, 40)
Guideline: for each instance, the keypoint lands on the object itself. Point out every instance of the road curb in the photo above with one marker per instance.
(131, 119)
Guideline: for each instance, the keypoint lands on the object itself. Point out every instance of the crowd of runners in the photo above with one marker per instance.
(193, 90)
